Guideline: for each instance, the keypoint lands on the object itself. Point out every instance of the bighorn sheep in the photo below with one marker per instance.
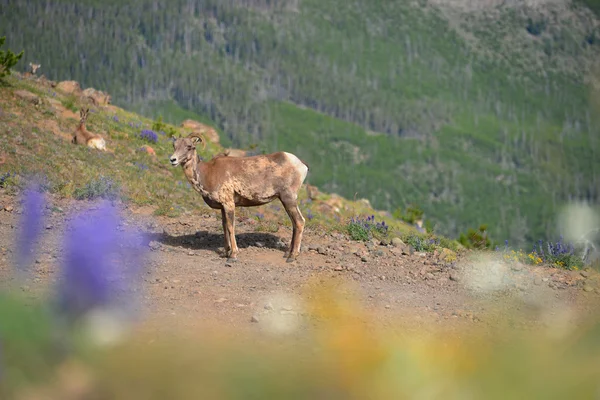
(33, 69)
(228, 182)
(83, 136)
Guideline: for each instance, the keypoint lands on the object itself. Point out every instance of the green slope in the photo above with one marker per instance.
(478, 117)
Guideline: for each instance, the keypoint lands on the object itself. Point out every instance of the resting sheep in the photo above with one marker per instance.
(85, 137)
(227, 182)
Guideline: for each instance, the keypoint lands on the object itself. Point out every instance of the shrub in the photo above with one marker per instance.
(8, 59)
(476, 239)
(560, 254)
(413, 213)
(363, 229)
(7, 179)
(102, 187)
(535, 28)
(160, 126)
(592, 38)
(421, 243)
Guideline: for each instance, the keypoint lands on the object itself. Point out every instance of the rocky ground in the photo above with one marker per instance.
(189, 285)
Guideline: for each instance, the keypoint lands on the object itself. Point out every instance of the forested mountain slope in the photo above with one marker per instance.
(478, 112)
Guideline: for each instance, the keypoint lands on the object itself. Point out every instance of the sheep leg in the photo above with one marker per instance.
(230, 221)
(225, 233)
(291, 207)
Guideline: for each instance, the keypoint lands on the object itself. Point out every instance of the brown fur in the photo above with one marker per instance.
(32, 70)
(227, 182)
(85, 137)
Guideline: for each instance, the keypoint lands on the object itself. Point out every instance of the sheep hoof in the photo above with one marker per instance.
(231, 259)
(291, 259)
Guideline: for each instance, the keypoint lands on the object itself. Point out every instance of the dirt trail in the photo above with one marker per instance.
(188, 284)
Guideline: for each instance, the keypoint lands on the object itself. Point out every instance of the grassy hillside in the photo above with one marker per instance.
(478, 116)
(39, 119)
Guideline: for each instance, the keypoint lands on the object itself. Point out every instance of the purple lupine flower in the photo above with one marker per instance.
(100, 262)
(309, 215)
(149, 135)
(30, 226)
(116, 118)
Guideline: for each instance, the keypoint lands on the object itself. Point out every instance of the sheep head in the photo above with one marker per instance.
(185, 148)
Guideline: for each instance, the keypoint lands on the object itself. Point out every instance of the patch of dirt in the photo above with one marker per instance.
(189, 285)
(52, 126)
(68, 114)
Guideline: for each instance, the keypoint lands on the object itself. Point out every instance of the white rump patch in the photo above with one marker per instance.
(298, 165)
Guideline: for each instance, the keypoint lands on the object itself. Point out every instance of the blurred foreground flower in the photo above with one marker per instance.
(101, 265)
(30, 226)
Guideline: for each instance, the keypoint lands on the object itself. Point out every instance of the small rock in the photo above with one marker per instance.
(147, 149)
(585, 274)
(260, 244)
(397, 242)
(364, 259)
(375, 242)
(322, 250)
(379, 253)
(429, 276)
(447, 256)
(69, 87)
(190, 253)
(154, 245)
(388, 306)
(454, 277)
(408, 250)
(537, 281)
(49, 227)
(587, 288)
(254, 318)
(338, 268)
(8, 208)
(544, 279)
(268, 306)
